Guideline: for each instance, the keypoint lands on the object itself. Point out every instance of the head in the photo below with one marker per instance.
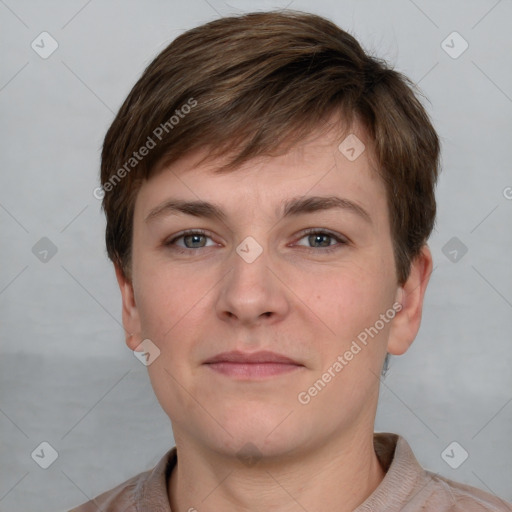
(251, 114)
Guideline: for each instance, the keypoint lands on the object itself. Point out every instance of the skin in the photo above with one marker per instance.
(294, 299)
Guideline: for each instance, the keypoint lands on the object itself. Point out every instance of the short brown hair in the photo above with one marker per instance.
(261, 82)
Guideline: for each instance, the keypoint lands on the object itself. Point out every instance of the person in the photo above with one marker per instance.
(246, 142)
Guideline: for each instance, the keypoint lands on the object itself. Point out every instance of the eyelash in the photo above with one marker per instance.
(310, 231)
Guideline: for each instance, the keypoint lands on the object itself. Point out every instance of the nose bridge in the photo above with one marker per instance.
(250, 262)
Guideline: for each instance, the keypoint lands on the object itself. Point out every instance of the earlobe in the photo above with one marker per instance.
(130, 313)
(410, 295)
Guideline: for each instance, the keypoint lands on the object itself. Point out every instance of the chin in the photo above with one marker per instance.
(265, 433)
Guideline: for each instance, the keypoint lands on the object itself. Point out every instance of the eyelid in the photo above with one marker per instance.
(187, 232)
(340, 239)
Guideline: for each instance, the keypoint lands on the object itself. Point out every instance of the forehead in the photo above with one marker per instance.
(325, 163)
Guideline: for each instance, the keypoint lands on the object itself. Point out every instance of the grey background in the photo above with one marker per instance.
(66, 375)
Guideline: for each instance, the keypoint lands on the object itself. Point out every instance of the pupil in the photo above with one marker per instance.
(317, 238)
(194, 238)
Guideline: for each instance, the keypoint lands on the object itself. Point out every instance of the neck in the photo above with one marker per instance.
(336, 477)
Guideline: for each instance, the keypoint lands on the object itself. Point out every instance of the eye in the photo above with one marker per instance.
(192, 239)
(323, 238)
(196, 239)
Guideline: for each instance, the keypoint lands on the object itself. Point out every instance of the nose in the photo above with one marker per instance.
(254, 289)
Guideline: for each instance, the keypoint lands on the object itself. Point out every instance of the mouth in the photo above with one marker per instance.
(256, 365)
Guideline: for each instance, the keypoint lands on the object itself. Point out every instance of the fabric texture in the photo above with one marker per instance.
(406, 487)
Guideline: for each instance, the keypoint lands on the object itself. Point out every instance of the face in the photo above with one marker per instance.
(315, 284)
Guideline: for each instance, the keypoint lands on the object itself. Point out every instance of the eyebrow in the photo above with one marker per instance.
(292, 207)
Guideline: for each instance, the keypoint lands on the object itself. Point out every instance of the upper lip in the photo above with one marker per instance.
(254, 357)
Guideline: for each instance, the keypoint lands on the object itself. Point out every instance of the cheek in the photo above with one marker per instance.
(155, 302)
(163, 295)
(173, 308)
(346, 300)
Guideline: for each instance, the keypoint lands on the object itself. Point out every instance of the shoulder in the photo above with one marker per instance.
(145, 491)
(445, 495)
(120, 498)
(409, 487)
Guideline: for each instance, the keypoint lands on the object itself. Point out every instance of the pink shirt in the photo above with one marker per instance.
(406, 487)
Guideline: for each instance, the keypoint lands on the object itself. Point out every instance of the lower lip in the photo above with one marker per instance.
(252, 370)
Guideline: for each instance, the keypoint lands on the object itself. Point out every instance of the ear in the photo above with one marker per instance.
(131, 321)
(406, 324)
